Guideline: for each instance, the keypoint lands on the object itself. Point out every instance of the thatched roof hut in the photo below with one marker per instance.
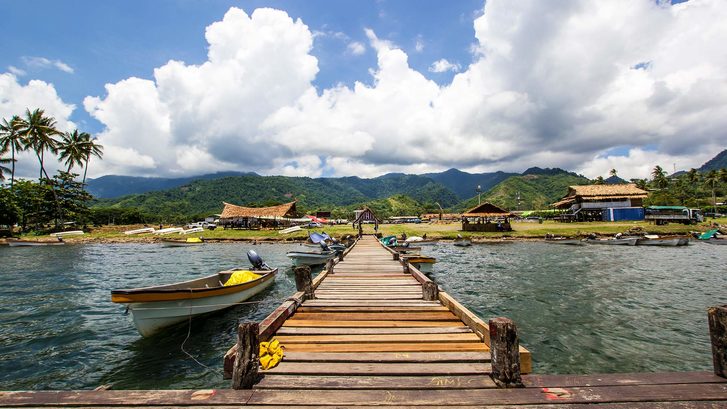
(486, 210)
(601, 193)
(251, 217)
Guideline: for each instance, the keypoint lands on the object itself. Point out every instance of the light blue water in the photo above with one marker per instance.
(578, 309)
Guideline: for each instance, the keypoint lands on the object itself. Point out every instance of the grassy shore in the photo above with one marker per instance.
(446, 231)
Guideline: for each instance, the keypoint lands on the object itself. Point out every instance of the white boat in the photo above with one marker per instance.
(33, 243)
(68, 233)
(563, 240)
(290, 230)
(663, 241)
(630, 241)
(462, 242)
(140, 231)
(305, 258)
(154, 308)
(419, 241)
(169, 230)
(192, 230)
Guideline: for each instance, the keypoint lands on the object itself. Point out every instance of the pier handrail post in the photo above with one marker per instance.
(244, 372)
(717, 317)
(303, 281)
(430, 291)
(505, 353)
(396, 256)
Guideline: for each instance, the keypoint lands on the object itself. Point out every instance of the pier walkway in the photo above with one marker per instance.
(371, 331)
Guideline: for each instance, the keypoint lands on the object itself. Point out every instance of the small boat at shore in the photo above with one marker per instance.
(628, 241)
(425, 264)
(190, 242)
(310, 258)
(419, 241)
(154, 308)
(68, 233)
(462, 242)
(662, 241)
(140, 231)
(715, 240)
(169, 230)
(34, 243)
(564, 240)
(290, 230)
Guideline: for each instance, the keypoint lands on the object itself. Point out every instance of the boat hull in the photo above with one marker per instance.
(462, 243)
(176, 243)
(715, 241)
(309, 259)
(571, 242)
(24, 243)
(150, 317)
(614, 242)
(672, 242)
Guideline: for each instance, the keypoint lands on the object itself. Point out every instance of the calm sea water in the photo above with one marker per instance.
(578, 309)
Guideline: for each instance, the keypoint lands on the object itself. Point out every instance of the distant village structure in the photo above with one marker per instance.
(603, 202)
(239, 217)
(486, 218)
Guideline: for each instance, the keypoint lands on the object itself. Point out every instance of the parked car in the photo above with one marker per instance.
(205, 225)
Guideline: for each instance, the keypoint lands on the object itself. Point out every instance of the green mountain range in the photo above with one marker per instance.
(716, 163)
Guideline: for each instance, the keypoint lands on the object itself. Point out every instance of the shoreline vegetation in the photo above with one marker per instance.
(522, 231)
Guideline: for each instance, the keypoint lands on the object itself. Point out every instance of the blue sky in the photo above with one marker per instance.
(323, 88)
(107, 41)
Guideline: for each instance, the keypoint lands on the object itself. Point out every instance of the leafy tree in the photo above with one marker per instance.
(711, 179)
(599, 181)
(72, 197)
(11, 140)
(35, 203)
(8, 208)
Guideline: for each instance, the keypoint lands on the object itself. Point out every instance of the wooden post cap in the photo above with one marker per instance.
(505, 353)
(303, 281)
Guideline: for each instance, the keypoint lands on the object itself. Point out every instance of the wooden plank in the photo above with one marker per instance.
(374, 382)
(363, 309)
(124, 398)
(397, 296)
(375, 338)
(343, 331)
(616, 379)
(473, 321)
(370, 324)
(369, 303)
(379, 368)
(373, 315)
(403, 357)
(391, 347)
(532, 396)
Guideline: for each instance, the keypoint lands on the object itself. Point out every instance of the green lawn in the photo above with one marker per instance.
(434, 230)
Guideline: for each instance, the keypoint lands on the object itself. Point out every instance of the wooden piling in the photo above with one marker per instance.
(429, 291)
(303, 281)
(504, 349)
(244, 372)
(396, 256)
(717, 317)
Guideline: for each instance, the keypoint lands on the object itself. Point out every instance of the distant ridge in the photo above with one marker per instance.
(463, 184)
(716, 163)
(111, 186)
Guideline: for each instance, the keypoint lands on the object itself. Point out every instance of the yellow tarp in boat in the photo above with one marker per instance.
(240, 277)
(194, 240)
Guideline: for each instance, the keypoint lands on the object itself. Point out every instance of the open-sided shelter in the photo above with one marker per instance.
(366, 215)
(486, 217)
(234, 216)
(588, 202)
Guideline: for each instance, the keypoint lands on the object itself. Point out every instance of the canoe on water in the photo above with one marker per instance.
(154, 308)
(190, 242)
(614, 242)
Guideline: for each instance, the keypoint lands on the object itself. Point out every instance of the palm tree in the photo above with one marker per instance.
(659, 177)
(72, 148)
(613, 172)
(38, 131)
(91, 148)
(711, 179)
(3, 169)
(11, 139)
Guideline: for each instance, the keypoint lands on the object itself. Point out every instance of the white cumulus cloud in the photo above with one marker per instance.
(549, 86)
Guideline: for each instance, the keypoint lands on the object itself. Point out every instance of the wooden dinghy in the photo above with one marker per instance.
(629, 241)
(34, 243)
(310, 258)
(662, 241)
(154, 308)
(190, 242)
(563, 240)
(425, 264)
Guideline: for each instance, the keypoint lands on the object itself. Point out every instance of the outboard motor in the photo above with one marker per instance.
(256, 261)
(324, 246)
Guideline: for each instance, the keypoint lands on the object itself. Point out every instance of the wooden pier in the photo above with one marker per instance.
(371, 331)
